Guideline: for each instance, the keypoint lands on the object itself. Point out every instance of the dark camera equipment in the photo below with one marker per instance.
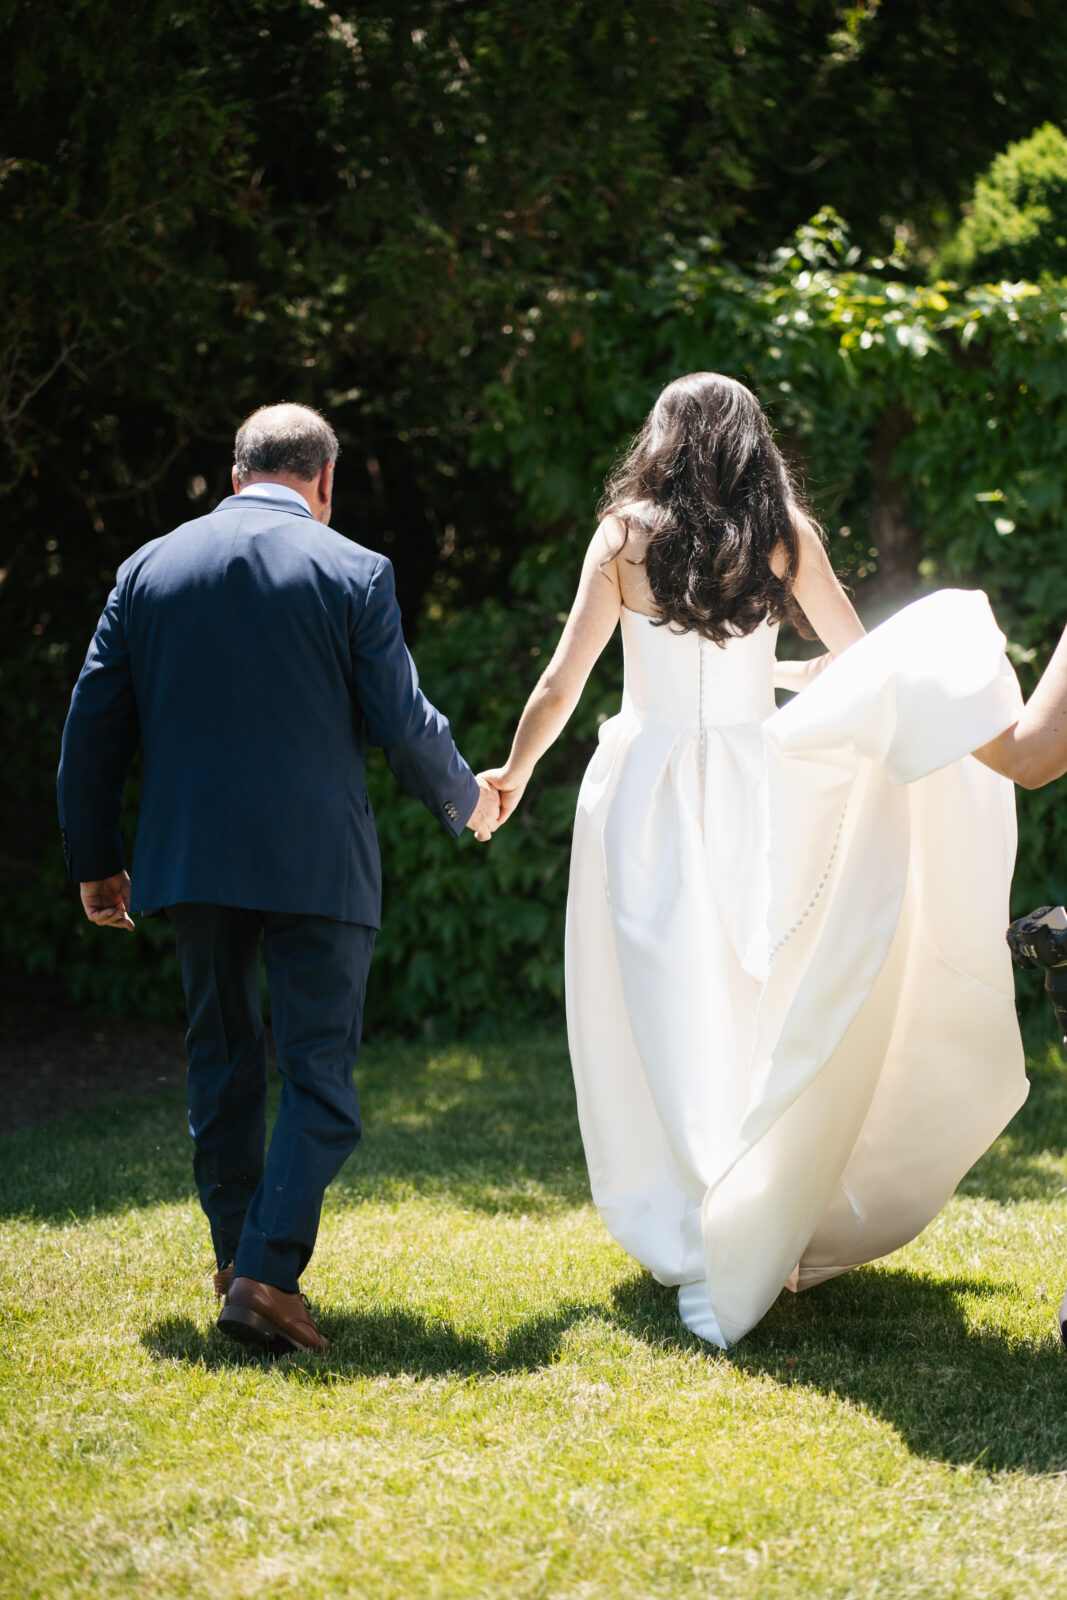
(1039, 940)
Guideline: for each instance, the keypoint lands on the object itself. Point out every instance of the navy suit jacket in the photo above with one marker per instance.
(250, 653)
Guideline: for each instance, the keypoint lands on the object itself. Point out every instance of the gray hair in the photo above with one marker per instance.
(289, 439)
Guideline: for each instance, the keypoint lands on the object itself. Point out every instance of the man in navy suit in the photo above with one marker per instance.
(249, 654)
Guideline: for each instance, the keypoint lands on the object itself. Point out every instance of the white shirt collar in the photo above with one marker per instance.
(274, 491)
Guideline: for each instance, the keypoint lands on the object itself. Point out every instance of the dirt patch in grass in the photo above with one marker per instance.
(56, 1059)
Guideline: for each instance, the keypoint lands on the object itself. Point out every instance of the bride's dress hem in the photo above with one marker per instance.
(698, 1315)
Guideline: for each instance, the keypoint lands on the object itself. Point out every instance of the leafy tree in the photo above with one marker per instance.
(395, 213)
(1016, 225)
(974, 384)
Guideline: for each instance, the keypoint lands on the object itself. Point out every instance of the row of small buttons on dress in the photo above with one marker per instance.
(820, 886)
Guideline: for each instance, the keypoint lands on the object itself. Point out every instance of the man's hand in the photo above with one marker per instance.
(107, 902)
(510, 786)
(485, 816)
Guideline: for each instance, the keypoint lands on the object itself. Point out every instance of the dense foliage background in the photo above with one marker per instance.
(481, 237)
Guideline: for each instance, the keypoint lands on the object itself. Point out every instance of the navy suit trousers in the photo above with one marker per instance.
(263, 1203)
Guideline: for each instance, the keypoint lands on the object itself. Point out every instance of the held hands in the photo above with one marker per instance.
(485, 818)
(107, 902)
(501, 790)
(509, 784)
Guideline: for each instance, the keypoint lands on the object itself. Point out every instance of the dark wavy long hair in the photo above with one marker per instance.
(707, 482)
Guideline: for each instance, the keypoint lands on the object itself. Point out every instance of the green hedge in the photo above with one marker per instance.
(970, 387)
(1016, 223)
(975, 386)
(970, 384)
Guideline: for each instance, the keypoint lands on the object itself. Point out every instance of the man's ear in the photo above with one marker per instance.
(325, 484)
(235, 481)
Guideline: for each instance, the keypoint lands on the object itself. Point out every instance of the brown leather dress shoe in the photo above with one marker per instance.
(224, 1281)
(268, 1318)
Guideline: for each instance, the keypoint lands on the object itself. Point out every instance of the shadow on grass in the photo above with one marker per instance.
(491, 1126)
(383, 1343)
(930, 1357)
(901, 1347)
(494, 1125)
(1026, 1163)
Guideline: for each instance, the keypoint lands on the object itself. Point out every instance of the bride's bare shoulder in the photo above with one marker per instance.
(623, 541)
(625, 529)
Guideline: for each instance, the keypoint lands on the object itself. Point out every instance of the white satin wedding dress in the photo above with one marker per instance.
(790, 1002)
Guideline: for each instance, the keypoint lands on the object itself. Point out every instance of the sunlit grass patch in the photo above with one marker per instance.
(511, 1407)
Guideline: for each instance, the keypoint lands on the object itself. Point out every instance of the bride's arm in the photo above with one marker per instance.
(795, 674)
(822, 600)
(588, 628)
(1034, 751)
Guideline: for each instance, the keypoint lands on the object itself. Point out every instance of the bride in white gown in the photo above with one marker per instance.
(789, 999)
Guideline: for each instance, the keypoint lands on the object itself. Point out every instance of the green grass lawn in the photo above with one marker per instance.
(512, 1408)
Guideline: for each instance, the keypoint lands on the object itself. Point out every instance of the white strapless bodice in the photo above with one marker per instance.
(680, 680)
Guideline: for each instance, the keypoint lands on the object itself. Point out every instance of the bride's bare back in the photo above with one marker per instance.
(816, 588)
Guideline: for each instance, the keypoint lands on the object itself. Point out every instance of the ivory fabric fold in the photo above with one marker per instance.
(790, 1002)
